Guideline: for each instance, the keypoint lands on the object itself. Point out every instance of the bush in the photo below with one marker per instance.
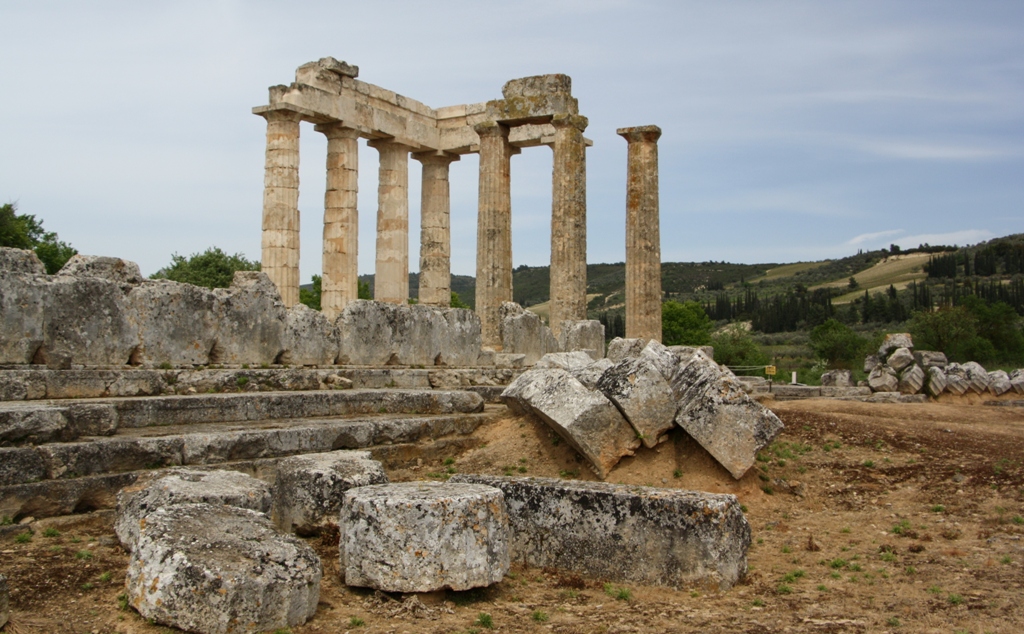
(837, 344)
(684, 324)
(734, 347)
(212, 268)
(25, 232)
(312, 296)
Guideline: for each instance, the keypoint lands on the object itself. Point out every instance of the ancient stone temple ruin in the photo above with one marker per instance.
(533, 111)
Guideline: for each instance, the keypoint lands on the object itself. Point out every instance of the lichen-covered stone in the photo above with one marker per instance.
(883, 379)
(956, 380)
(591, 374)
(871, 362)
(936, 381)
(309, 338)
(893, 341)
(20, 262)
(309, 489)
(999, 382)
(585, 418)
(424, 536)
(5, 608)
(900, 359)
(625, 533)
(639, 389)
(22, 298)
(976, 376)
(930, 359)
(586, 335)
(523, 332)
(178, 324)
(837, 378)
(184, 486)
(221, 570)
(122, 272)
(380, 333)
(619, 348)
(718, 413)
(251, 320)
(569, 361)
(1017, 381)
(911, 380)
(87, 320)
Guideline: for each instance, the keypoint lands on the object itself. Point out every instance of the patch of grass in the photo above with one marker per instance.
(846, 529)
(743, 507)
(768, 490)
(51, 532)
(888, 556)
(786, 550)
(822, 588)
(784, 589)
(282, 630)
(678, 473)
(55, 549)
(892, 621)
(508, 470)
(484, 620)
(790, 577)
(622, 594)
(23, 538)
(106, 577)
(934, 590)
(122, 602)
(539, 616)
(575, 473)
(954, 599)
(1018, 520)
(242, 380)
(902, 528)
(83, 554)
(355, 621)
(448, 461)
(87, 586)
(869, 463)
(837, 563)
(938, 508)
(910, 571)
(1006, 560)
(854, 568)
(757, 603)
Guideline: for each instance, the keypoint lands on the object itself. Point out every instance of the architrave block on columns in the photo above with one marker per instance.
(435, 229)
(391, 277)
(643, 238)
(280, 242)
(493, 229)
(340, 283)
(568, 221)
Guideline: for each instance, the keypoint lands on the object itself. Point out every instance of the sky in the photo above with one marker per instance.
(792, 131)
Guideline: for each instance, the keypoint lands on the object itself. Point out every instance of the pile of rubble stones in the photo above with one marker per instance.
(897, 367)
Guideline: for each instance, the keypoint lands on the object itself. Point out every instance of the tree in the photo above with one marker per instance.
(363, 290)
(25, 232)
(853, 284)
(213, 268)
(684, 324)
(836, 343)
(457, 301)
(311, 297)
(735, 347)
(952, 330)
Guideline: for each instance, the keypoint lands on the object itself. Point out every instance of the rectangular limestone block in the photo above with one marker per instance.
(625, 533)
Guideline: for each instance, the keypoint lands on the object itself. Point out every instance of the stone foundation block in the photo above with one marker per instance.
(936, 381)
(929, 359)
(1017, 381)
(379, 333)
(523, 332)
(309, 489)
(586, 335)
(999, 382)
(893, 341)
(900, 359)
(619, 348)
(586, 419)
(221, 570)
(424, 536)
(638, 388)
(309, 338)
(911, 380)
(837, 378)
(627, 534)
(184, 486)
(883, 379)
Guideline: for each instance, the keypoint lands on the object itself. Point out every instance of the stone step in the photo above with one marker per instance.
(66, 478)
(21, 383)
(38, 422)
(786, 392)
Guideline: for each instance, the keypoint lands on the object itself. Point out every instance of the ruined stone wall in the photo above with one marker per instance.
(100, 311)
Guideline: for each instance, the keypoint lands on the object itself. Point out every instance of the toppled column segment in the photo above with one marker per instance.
(625, 533)
(220, 570)
(424, 536)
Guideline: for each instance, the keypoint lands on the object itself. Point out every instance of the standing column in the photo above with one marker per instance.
(493, 229)
(643, 240)
(340, 283)
(391, 279)
(568, 222)
(280, 256)
(435, 229)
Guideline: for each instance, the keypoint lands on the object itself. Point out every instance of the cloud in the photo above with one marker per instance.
(959, 238)
(872, 237)
(933, 151)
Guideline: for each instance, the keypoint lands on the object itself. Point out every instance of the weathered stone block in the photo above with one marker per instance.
(936, 380)
(685, 352)
(893, 341)
(955, 381)
(22, 297)
(568, 361)
(424, 536)
(911, 380)
(586, 419)
(309, 338)
(975, 375)
(1017, 381)
(20, 464)
(999, 382)
(221, 569)
(586, 335)
(837, 378)
(20, 262)
(523, 332)
(33, 424)
(930, 359)
(177, 324)
(639, 389)
(625, 533)
(619, 348)
(883, 379)
(121, 272)
(251, 320)
(591, 374)
(716, 411)
(87, 320)
(309, 489)
(184, 486)
(871, 362)
(900, 359)
(379, 333)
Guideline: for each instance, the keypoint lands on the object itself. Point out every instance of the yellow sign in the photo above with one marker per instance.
(769, 370)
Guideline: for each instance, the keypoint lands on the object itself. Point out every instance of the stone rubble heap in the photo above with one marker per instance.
(605, 410)
(897, 369)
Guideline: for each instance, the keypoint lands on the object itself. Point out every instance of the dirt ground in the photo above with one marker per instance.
(865, 518)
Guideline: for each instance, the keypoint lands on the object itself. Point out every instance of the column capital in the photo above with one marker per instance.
(435, 157)
(565, 120)
(280, 114)
(491, 128)
(379, 144)
(336, 130)
(650, 133)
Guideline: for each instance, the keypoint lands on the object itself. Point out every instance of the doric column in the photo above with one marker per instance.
(280, 256)
(391, 278)
(568, 222)
(435, 229)
(340, 284)
(643, 240)
(493, 229)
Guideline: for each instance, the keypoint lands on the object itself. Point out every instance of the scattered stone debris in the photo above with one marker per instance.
(221, 569)
(424, 536)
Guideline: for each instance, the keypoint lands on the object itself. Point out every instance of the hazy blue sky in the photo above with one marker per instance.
(792, 130)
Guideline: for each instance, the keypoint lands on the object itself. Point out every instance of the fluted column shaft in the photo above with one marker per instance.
(568, 222)
(391, 279)
(435, 229)
(493, 229)
(340, 283)
(643, 239)
(280, 243)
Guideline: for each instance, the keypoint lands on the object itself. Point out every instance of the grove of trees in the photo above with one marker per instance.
(24, 231)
